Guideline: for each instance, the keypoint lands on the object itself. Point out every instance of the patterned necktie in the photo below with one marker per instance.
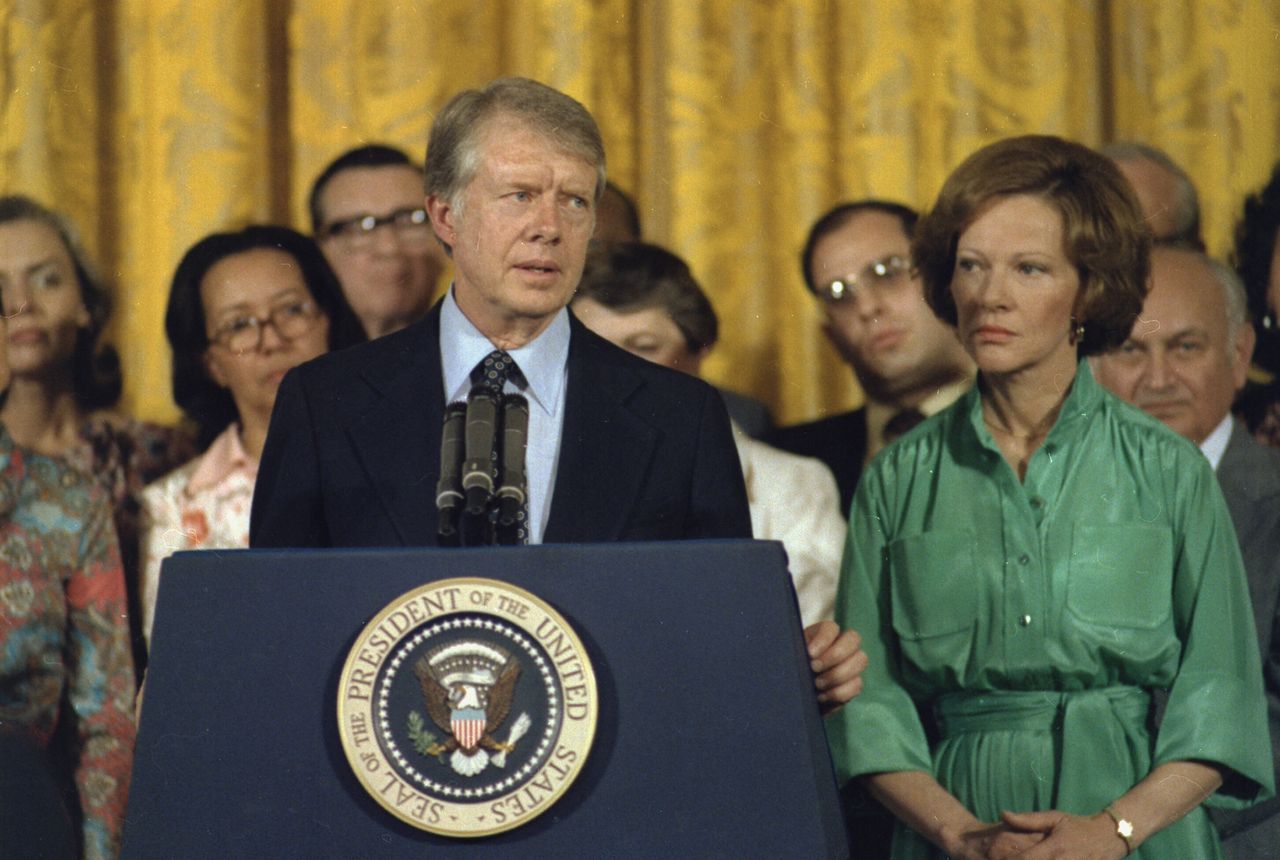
(494, 371)
(509, 515)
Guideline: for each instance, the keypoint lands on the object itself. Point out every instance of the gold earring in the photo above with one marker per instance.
(1077, 330)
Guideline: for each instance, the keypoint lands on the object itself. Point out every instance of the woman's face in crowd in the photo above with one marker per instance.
(1015, 289)
(649, 333)
(41, 297)
(239, 294)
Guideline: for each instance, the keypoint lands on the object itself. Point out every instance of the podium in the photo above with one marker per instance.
(708, 741)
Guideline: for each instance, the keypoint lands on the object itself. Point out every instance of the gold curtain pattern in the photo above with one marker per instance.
(735, 123)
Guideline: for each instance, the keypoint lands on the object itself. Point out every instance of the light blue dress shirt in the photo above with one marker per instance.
(544, 363)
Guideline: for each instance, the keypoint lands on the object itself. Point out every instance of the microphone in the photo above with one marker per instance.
(511, 493)
(449, 487)
(477, 468)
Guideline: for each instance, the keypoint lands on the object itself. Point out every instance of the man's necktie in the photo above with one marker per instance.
(511, 507)
(495, 369)
(900, 423)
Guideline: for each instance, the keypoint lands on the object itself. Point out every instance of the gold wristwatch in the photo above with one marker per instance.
(1124, 829)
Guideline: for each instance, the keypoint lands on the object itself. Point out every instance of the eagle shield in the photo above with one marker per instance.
(468, 686)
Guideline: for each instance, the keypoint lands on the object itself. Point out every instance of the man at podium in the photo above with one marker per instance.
(499, 418)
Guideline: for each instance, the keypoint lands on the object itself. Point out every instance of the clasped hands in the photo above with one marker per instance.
(1048, 835)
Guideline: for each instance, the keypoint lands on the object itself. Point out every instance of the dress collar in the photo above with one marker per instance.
(1083, 400)
(221, 460)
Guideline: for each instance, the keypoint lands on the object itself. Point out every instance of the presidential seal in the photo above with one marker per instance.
(467, 707)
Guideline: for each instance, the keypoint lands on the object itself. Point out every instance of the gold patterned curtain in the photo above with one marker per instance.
(734, 122)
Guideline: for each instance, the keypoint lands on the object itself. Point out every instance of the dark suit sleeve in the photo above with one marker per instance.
(719, 497)
(287, 508)
(1254, 831)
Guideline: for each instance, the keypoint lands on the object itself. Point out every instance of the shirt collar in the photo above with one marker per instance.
(542, 361)
(1082, 402)
(1215, 444)
(221, 460)
(879, 414)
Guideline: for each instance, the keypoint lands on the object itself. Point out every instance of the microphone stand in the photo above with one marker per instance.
(477, 469)
(474, 507)
(449, 487)
(511, 496)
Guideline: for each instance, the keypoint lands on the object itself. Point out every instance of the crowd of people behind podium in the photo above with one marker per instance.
(94, 500)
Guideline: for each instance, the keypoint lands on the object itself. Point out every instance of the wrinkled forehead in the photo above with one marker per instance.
(503, 133)
(25, 239)
(1184, 294)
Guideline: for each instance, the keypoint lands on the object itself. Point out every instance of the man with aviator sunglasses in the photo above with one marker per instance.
(856, 263)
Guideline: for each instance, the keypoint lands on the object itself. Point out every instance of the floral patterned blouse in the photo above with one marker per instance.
(66, 675)
(203, 504)
(124, 455)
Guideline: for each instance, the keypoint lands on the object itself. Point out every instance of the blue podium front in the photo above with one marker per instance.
(708, 741)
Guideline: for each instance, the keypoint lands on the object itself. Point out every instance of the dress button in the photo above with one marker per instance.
(1037, 502)
(1024, 559)
(1025, 621)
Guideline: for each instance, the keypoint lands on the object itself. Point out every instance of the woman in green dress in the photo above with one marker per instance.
(1029, 566)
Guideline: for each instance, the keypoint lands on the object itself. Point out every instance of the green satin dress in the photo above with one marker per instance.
(1030, 622)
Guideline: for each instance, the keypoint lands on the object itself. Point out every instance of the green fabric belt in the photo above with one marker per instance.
(1105, 746)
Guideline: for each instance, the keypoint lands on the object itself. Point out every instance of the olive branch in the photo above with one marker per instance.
(423, 740)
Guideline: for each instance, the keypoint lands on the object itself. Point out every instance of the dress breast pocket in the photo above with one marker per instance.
(1121, 575)
(934, 585)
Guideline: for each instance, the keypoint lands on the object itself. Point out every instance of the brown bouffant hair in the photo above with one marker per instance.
(1106, 237)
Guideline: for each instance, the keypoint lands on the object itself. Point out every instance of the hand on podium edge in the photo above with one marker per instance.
(838, 661)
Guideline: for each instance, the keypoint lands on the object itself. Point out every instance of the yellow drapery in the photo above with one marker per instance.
(734, 122)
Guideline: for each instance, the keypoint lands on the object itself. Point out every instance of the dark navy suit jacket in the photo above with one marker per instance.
(353, 452)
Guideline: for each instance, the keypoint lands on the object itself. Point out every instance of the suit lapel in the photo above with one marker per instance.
(605, 448)
(1237, 475)
(397, 438)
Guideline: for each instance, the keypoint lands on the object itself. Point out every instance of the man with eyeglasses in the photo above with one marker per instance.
(368, 218)
(856, 262)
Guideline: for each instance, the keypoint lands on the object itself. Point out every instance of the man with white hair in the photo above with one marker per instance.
(1183, 363)
(617, 449)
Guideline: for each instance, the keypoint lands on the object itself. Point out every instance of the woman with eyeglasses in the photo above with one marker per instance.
(1032, 568)
(62, 401)
(244, 309)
